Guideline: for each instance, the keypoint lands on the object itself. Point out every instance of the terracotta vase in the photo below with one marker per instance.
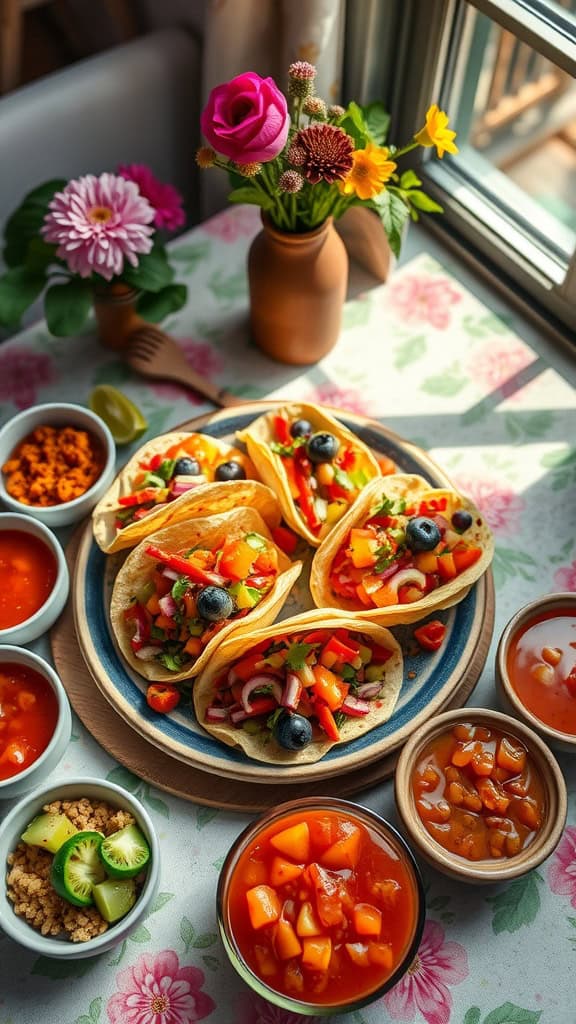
(297, 288)
(116, 316)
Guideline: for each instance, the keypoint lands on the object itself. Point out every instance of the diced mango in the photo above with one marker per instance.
(293, 977)
(426, 561)
(307, 923)
(362, 548)
(345, 852)
(321, 833)
(267, 965)
(316, 952)
(255, 872)
(263, 905)
(286, 942)
(367, 919)
(358, 953)
(381, 953)
(283, 871)
(293, 841)
(387, 890)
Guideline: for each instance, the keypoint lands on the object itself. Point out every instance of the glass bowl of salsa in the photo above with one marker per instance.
(34, 578)
(35, 720)
(320, 906)
(536, 668)
(481, 796)
(56, 461)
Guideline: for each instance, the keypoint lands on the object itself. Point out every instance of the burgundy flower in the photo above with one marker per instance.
(328, 152)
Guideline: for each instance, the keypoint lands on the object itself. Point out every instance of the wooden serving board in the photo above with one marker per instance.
(158, 768)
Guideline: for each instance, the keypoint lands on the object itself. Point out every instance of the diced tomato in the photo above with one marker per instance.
(464, 557)
(282, 430)
(266, 562)
(346, 458)
(162, 697)
(306, 501)
(336, 650)
(431, 635)
(184, 566)
(139, 497)
(246, 667)
(285, 539)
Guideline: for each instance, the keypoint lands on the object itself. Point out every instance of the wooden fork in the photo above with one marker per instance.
(155, 354)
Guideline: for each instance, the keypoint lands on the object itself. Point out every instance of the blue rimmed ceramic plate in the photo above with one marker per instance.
(431, 681)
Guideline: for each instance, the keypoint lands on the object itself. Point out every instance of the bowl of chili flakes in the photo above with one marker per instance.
(57, 461)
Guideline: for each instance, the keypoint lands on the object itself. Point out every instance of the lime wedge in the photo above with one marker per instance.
(124, 419)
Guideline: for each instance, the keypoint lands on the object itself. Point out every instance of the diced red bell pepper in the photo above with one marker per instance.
(139, 497)
(431, 635)
(306, 502)
(432, 506)
(184, 567)
(336, 650)
(284, 539)
(464, 557)
(282, 430)
(156, 461)
(326, 720)
(346, 458)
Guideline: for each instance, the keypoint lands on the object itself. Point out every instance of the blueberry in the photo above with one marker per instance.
(214, 604)
(461, 520)
(230, 471)
(186, 467)
(322, 447)
(422, 534)
(300, 428)
(293, 732)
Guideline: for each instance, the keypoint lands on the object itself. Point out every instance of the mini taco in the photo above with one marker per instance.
(187, 587)
(316, 466)
(177, 476)
(405, 549)
(288, 693)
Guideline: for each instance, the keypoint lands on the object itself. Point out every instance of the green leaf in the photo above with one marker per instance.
(67, 307)
(155, 803)
(83, 1019)
(203, 941)
(204, 815)
(112, 373)
(192, 254)
(508, 1013)
(423, 202)
(153, 272)
(509, 563)
(116, 960)
(409, 351)
(357, 313)
(447, 384)
(559, 460)
(377, 121)
(525, 425)
(122, 777)
(25, 223)
(224, 286)
(211, 962)
(57, 969)
(253, 196)
(155, 306)
(393, 213)
(472, 1016)
(187, 932)
(140, 935)
(95, 1008)
(517, 906)
(354, 125)
(19, 288)
(297, 654)
(409, 180)
(161, 900)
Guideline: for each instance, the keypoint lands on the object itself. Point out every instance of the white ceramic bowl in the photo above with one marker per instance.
(17, 928)
(46, 616)
(60, 414)
(52, 754)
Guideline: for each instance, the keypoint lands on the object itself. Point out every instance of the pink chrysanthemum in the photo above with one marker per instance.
(302, 69)
(98, 223)
(165, 199)
(290, 182)
(328, 152)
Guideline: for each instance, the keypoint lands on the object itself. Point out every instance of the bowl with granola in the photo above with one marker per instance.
(81, 864)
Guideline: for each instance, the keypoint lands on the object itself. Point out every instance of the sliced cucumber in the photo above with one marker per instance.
(114, 897)
(77, 868)
(125, 852)
(49, 831)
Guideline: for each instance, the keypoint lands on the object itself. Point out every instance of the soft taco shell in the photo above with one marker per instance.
(208, 499)
(269, 466)
(213, 531)
(412, 488)
(254, 745)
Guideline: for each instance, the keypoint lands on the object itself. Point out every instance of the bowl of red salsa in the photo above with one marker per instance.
(34, 579)
(35, 720)
(536, 668)
(320, 906)
(481, 796)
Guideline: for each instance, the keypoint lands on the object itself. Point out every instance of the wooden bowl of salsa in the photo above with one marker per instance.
(320, 906)
(34, 579)
(36, 723)
(536, 668)
(481, 795)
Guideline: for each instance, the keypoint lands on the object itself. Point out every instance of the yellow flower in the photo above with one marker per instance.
(371, 169)
(436, 132)
(205, 157)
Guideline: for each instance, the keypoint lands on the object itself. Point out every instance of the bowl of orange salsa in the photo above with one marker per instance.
(482, 797)
(536, 668)
(320, 906)
(35, 720)
(34, 579)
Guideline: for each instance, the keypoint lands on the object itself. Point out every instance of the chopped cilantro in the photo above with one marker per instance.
(157, 634)
(287, 449)
(348, 674)
(340, 718)
(343, 479)
(273, 718)
(297, 654)
(256, 541)
(166, 469)
(173, 662)
(179, 587)
(389, 507)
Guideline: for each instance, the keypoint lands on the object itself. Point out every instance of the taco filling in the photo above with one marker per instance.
(192, 594)
(324, 474)
(402, 551)
(165, 476)
(303, 688)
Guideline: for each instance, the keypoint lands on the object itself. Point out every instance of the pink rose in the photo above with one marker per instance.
(246, 119)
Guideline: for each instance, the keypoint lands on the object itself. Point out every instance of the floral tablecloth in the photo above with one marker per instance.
(441, 369)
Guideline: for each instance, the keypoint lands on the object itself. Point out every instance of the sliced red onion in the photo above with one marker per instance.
(216, 714)
(232, 677)
(168, 605)
(257, 683)
(441, 522)
(147, 653)
(184, 484)
(369, 690)
(239, 715)
(355, 707)
(292, 692)
(408, 576)
(170, 574)
(387, 573)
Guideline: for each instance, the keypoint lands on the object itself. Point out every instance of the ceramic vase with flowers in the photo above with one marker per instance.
(306, 163)
(93, 242)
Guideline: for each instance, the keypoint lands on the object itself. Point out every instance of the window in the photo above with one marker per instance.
(505, 71)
